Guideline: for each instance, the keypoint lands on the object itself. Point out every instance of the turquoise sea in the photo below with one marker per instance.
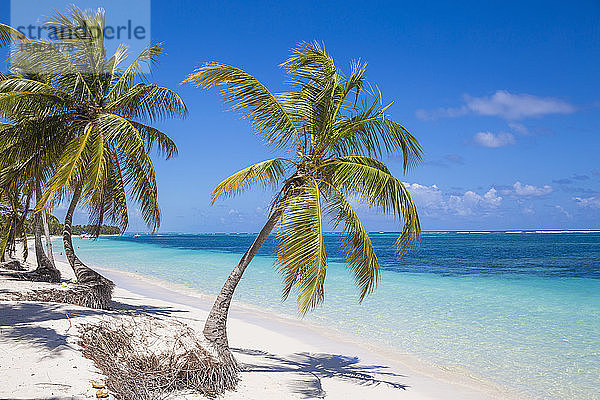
(520, 309)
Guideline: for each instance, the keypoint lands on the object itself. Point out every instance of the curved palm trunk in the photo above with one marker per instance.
(48, 238)
(45, 270)
(215, 328)
(17, 220)
(97, 289)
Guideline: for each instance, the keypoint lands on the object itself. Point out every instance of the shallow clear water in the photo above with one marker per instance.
(520, 309)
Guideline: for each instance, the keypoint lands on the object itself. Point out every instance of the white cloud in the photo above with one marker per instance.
(471, 202)
(591, 202)
(505, 105)
(428, 197)
(531, 190)
(517, 106)
(432, 201)
(491, 198)
(488, 139)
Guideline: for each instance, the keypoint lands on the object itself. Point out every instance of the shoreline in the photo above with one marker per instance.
(288, 358)
(327, 337)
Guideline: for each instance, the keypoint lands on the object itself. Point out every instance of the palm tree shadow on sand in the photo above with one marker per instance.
(316, 366)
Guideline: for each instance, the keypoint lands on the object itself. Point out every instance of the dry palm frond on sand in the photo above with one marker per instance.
(147, 358)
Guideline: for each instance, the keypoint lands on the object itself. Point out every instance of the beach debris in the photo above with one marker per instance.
(98, 384)
(92, 295)
(149, 358)
(102, 393)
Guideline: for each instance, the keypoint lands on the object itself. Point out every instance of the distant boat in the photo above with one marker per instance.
(137, 235)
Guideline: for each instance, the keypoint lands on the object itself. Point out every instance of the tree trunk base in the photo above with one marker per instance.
(97, 294)
(44, 274)
(227, 370)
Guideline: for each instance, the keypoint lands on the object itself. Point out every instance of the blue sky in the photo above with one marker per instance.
(504, 97)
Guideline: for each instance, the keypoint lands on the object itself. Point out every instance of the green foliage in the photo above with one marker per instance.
(55, 227)
(90, 229)
(79, 119)
(9, 34)
(337, 129)
(14, 206)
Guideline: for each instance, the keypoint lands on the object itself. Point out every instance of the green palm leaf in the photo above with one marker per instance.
(301, 253)
(247, 94)
(356, 245)
(9, 34)
(370, 182)
(263, 173)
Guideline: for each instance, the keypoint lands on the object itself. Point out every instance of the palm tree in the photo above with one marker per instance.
(13, 224)
(27, 155)
(101, 110)
(14, 206)
(335, 131)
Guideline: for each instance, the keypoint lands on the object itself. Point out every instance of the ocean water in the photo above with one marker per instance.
(520, 309)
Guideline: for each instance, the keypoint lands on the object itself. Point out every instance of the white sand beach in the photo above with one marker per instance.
(283, 358)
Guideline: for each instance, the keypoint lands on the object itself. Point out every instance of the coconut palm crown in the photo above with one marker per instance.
(99, 109)
(333, 130)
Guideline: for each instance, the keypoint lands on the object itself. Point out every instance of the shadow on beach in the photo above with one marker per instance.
(17, 322)
(316, 367)
(21, 320)
(34, 323)
(146, 309)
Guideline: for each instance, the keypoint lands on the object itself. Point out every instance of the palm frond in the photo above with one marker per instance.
(311, 66)
(369, 181)
(264, 173)
(71, 170)
(252, 98)
(356, 245)
(110, 202)
(301, 253)
(135, 72)
(138, 172)
(153, 137)
(9, 34)
(371, 133)
(66, 71)
(149, 102)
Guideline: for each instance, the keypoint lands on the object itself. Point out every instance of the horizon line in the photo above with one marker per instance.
(514, 230)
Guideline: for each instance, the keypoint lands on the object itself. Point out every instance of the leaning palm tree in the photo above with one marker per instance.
(334, 131)
(101, 110)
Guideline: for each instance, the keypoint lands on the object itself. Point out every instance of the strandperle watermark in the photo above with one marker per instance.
(128, 31)
(127, 23)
